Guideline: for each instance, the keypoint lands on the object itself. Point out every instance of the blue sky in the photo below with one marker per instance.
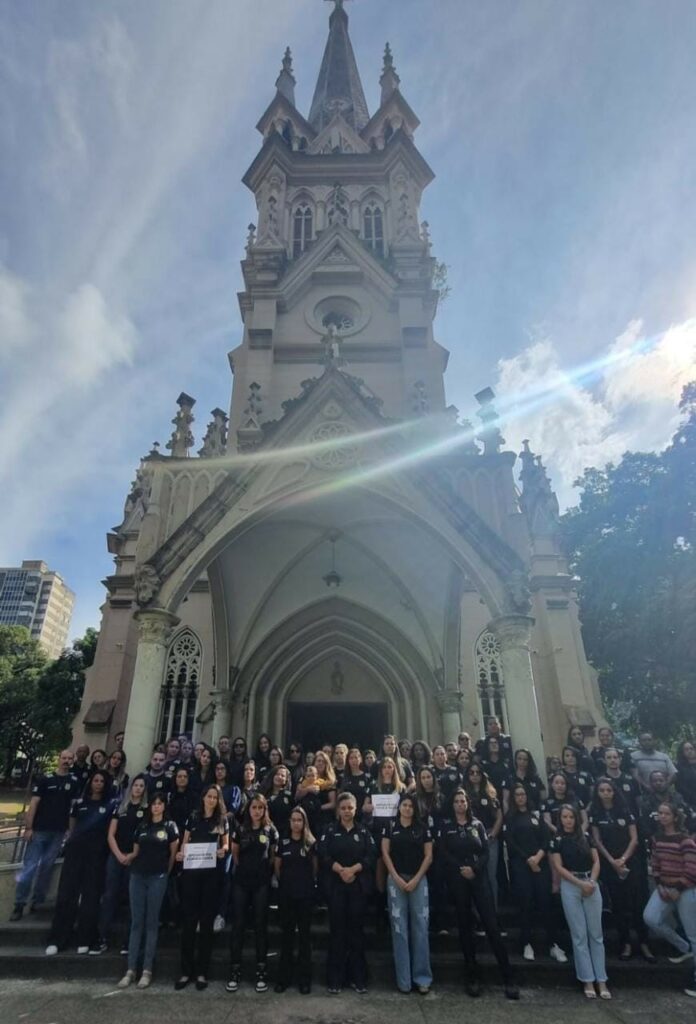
(561, 133)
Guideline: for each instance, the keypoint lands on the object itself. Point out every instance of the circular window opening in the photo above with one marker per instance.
(341, 321)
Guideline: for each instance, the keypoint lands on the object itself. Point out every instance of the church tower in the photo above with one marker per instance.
(343, 556)
(339, 257)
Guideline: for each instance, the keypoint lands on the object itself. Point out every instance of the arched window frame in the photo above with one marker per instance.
(373, 226)
(181, 685)
(490, 684)
(302, 228)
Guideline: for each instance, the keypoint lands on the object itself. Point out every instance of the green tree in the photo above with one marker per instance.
(632, 542)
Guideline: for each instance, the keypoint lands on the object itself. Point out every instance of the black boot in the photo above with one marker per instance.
(16, 914)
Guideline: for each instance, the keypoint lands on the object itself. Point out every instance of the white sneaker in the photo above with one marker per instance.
(127, 979)
(557, 954)
(51, 950)
(690, 992)
(145, 980)
(219, 923)
(82, 949)
(528, 952)
(680, 958)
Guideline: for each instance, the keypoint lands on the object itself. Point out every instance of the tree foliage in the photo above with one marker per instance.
(632, 542)
(38, 697)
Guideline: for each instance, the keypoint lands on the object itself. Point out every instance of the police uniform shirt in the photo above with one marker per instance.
(447, 779)
(180, 806)
(360, 785)
(92, 819)
(56, 794)
(431, 811)
(81, 773)
(279, 808)
(256, 851)
(407, 846)
(156, 784)
(552, 806)
(498, 772)
(296, 868)
(575, 857)
(600, 768)
(406, 773)
(232, 795)
(629, 789)
(127, 824)
(533, 786)
(153, 841)
(504, 745)
(485, 809)
(613, 826)
(580, 783)
(347, 846)
(462, 845)
(526, 834)
(206, 830)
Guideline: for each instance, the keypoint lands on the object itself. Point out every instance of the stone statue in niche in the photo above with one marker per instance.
(337, 679)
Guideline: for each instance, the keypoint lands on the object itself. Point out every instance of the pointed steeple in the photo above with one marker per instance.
(285, 83)
(389, 80)
(339, 89)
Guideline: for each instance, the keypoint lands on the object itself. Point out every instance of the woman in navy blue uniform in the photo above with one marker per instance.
(126, 818)
(279, 797)
(250, 787)
(579, 781)
(359, 783)
(576, 740)
(463, 848)
(154, 849)
(615, 834)
(116, 767)
(560, 793)
(524, 773)
(527, 837)
(296, 871)
(82, 878)
(254, 845)
(201, 887)
(347, 851)
(495, 765)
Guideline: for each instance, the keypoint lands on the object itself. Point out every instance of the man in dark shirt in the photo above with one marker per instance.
(156, 780)
(494, 731)
(45, 826)
(80, 767)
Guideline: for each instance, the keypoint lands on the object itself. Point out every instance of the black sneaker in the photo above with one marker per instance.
(360, 989)
(261, 979)
(97, 950)
(472, 988)
(512, 992)
(235, 976)
(123, 951)
(16, 914)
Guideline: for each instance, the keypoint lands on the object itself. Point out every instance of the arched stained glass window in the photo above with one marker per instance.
(491, 685)
(373, 228)
(180, 686)
(301, 230)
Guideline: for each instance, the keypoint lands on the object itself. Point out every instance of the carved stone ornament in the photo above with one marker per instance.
(155, 626)
(334, 452)
(449, 701)
(513, 631)
(337, 679)
(146, 585)
(518, 592)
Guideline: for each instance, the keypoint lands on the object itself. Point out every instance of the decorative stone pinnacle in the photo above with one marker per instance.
(215, 440)
(492, 439)
(285, 83)
(287, 60)
(389, 80)
(182, 438)
(388, 57)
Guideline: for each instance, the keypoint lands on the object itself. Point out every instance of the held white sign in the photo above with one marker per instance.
(385, 805)
(200, 855)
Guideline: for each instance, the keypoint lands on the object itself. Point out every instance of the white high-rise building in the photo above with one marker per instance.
(37, 597)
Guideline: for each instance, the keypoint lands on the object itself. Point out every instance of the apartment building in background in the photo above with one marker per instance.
(37, 597)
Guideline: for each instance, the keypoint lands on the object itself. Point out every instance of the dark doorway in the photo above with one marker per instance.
(361, 725)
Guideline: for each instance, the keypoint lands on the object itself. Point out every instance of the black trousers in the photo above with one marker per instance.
(532, 891)
(200, 896)
(628, 899)
(256, 901)
(79, 893)
(346, 961)
(295, 916)
(477, 893)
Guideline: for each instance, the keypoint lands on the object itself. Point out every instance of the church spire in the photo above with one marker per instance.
(285, 83)
(389, 80)
(339, 89)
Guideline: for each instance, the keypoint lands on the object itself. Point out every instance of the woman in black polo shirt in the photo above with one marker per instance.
(527, 837)
(358, 782)
(154, 849)
(463, 847)
(407, 852)
(579, 781)
(279, 797)
(577, 863)
(347, 852)
(82, 878)
(254, 845)
(560, 793)
(296, 871)
(615, 834)
(524, 773)
(126, 818)
(207, 827)
(485, 807)
(576, 740)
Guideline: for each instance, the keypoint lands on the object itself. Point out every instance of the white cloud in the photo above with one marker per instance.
(15, 324)
(593, 414)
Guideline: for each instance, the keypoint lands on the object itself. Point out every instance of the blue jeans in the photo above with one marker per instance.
(409, 914)
(661, 917)
(584, 917)
(39, 857)
(146, 894)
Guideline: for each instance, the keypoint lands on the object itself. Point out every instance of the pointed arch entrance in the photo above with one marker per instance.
(335, 655)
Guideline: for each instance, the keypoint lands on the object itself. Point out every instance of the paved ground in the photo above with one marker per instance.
(39, 1002)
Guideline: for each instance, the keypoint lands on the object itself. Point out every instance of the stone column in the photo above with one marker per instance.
(155, 627)
(450, 703)
(513, 632)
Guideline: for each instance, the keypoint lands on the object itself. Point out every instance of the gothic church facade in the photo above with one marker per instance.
(343, 556)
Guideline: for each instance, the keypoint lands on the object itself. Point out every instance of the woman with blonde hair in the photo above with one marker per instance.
(324, 785)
